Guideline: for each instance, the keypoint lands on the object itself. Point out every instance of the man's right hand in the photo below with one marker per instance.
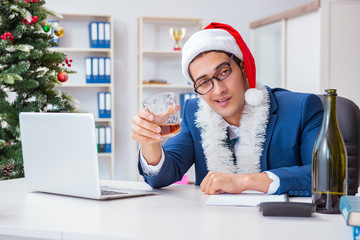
(143, 130)
(147, 133)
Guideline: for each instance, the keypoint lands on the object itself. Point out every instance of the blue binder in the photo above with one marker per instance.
(108, 105)
(108, 139)
(101, 70)
(356, 232)
(107, 35)
(101, 34)
(88, 69)
(107, 70)
(183, 98)
(95, 70)
(93, 35)
(101, 104)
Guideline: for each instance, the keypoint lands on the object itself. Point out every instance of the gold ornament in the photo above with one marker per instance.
(59, 31)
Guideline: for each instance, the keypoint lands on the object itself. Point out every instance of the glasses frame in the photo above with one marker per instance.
(214, 77)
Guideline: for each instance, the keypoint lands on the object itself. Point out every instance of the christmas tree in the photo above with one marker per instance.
(29, 74)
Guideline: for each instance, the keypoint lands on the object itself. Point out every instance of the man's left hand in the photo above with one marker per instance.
(216, 182)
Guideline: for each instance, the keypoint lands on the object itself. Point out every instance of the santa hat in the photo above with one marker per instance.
(222, 37)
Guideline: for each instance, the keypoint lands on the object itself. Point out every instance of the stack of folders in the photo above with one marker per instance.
(98, 69)
(350, 209)
(183, 98)
(103, 139)
(99, 34)
(51, 32)
(104, 104)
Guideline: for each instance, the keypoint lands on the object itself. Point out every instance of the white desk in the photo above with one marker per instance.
(177, 213)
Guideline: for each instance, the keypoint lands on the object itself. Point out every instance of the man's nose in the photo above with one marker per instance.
(219, 86)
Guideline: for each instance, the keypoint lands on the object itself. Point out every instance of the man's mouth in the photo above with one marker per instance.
(223, 101)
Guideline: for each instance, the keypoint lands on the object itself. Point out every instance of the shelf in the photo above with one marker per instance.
(85, 50)
(165, 86)
(156, 59)
(109, 155)
(82, 15)
(91, 85)
(177, 19)
(103, 120)
(159, 52)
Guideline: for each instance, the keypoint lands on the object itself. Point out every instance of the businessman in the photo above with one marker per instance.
(240, 134)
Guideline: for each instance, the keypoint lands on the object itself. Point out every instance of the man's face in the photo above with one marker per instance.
(227, 96)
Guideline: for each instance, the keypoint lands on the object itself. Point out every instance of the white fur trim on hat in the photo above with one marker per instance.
(254, 96)
(207, 40)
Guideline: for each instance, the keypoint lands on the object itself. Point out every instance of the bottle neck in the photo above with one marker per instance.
(330, 110)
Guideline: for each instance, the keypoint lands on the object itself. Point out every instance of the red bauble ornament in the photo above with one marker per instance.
(63, 77)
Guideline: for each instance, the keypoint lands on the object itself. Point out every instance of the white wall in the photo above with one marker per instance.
(344, 61)
(238, 13)
(303, 42)
(267, 48)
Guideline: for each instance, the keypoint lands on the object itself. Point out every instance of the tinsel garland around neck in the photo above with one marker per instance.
(252, 130)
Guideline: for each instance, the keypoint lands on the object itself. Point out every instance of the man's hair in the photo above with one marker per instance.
(236, 59)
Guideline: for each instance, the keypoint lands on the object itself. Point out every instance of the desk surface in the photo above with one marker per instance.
(178, 212)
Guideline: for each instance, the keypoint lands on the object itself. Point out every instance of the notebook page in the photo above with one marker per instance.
(247, 198)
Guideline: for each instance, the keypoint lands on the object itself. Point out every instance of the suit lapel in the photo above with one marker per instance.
(270, 129)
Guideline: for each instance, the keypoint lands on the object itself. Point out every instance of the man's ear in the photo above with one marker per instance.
(243, 71)
(242, 67)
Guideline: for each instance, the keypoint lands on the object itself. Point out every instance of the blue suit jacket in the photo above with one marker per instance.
(294, 122)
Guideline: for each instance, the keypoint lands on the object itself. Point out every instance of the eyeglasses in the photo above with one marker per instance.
(205, 85)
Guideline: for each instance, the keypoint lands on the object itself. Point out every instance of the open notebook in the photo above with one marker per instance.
(247, 198)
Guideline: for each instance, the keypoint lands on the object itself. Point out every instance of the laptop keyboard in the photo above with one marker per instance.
(109, 192)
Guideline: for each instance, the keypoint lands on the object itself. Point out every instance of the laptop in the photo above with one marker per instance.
(60, 156)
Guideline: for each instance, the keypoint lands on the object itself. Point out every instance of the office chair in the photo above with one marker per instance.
(348, 116)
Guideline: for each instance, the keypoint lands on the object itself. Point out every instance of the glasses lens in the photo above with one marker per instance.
(223, 72)
(204, 86)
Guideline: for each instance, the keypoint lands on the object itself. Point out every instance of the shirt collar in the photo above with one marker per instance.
(233, 131)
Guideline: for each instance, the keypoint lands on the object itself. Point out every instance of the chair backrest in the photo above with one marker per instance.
(348, 115)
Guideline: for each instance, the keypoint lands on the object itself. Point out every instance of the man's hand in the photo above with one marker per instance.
(143, 130)
(216, 183)
(147, 133)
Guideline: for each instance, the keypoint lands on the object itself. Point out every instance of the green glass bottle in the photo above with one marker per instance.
(329, 161)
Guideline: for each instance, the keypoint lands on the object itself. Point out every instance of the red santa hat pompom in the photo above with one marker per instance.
(223, 37)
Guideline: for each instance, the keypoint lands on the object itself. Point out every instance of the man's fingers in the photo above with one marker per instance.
(204, 182)
(146, 125)
(146, 135)
(143, 139)
(145, 114)
(211, 184)
(143, 130)
(207, 185)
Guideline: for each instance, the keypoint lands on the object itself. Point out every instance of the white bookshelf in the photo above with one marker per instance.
(76, 45)
(156, 58)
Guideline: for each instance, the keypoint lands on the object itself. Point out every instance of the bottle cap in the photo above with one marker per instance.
(331, 92)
